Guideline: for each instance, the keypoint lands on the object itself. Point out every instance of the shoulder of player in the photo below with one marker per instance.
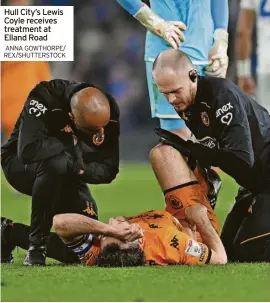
(217, 91)
(49, 93)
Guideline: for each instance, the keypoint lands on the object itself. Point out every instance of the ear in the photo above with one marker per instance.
(193, 74)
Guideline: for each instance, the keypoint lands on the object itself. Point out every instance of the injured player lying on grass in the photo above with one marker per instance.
(185, 233)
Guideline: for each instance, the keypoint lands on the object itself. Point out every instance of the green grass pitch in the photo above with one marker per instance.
(135, 190)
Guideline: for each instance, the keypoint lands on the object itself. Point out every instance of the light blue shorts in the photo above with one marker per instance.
(160, 107)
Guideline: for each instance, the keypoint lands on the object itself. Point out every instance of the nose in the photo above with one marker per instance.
(171, 98)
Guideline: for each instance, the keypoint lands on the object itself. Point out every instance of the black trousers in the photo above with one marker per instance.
(246, 231)
(53, 189)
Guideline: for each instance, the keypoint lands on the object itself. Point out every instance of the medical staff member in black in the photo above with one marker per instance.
(233, 133)
(66, 136)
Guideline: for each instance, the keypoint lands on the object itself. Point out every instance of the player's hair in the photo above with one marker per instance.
(113, 256)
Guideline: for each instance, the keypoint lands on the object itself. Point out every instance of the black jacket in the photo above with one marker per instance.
(42, 131)
(234, 127)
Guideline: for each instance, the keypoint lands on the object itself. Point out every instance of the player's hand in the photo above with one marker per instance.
(195, 213)
(218, 55)
(247, 84)
(124, 231)
(170, 31)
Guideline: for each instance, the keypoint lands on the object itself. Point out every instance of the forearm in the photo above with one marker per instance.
(244, 37)
(198, 215)
(70, 226)
(103, 171)
(131, 6)
(244, 41)
(42, 149)
(220, 14)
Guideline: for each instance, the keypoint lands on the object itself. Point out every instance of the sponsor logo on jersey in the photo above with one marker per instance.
(223, 109)
(37, 108)
(226, 117)
(193, 248)
(208, 141)
(203, 252)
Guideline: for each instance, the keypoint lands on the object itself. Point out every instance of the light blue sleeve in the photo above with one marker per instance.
(132, 6)
(220, 13)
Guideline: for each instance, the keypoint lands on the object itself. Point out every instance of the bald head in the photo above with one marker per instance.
(91, 109)
(176, 78)
(172, 61)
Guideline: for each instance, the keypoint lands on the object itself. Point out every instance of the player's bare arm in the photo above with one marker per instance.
(246, 23)
(70, 228)
(197, 215)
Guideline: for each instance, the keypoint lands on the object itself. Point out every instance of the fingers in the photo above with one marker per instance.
(136, 232)
(179, 24)
(179, 34)
(217, 68)
(173, 33)
(172, 43)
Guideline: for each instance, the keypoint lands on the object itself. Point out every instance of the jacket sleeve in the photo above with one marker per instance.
(34, 143)
(234, 152)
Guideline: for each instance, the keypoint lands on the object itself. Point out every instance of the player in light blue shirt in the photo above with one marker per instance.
(204, 23)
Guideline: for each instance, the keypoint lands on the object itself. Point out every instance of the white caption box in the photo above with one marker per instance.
(36, 33)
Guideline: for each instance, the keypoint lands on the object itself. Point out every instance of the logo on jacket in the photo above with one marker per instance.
(89, 209)
(37, 108)
(205, 118)
(67, 129)
(226, 117)
(208, 141)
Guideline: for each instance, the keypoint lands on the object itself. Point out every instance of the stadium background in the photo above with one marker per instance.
(109, 47)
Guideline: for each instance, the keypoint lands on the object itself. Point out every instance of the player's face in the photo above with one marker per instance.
(179, 90)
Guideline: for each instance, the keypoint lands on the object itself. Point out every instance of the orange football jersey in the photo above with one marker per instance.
(163, 242)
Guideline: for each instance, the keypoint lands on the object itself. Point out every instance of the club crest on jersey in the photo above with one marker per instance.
(205, 118)
(175, 202)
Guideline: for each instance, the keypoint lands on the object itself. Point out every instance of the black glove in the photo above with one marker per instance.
(75, 159)
(196, 151)
(169, 138)
(213, 183)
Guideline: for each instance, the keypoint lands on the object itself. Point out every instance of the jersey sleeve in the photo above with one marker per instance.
(34, 143)
(220, 13)
(194, 253)
(234, 151)
(233, 128)
(132, 6)
(87, 248)
(182, 249)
